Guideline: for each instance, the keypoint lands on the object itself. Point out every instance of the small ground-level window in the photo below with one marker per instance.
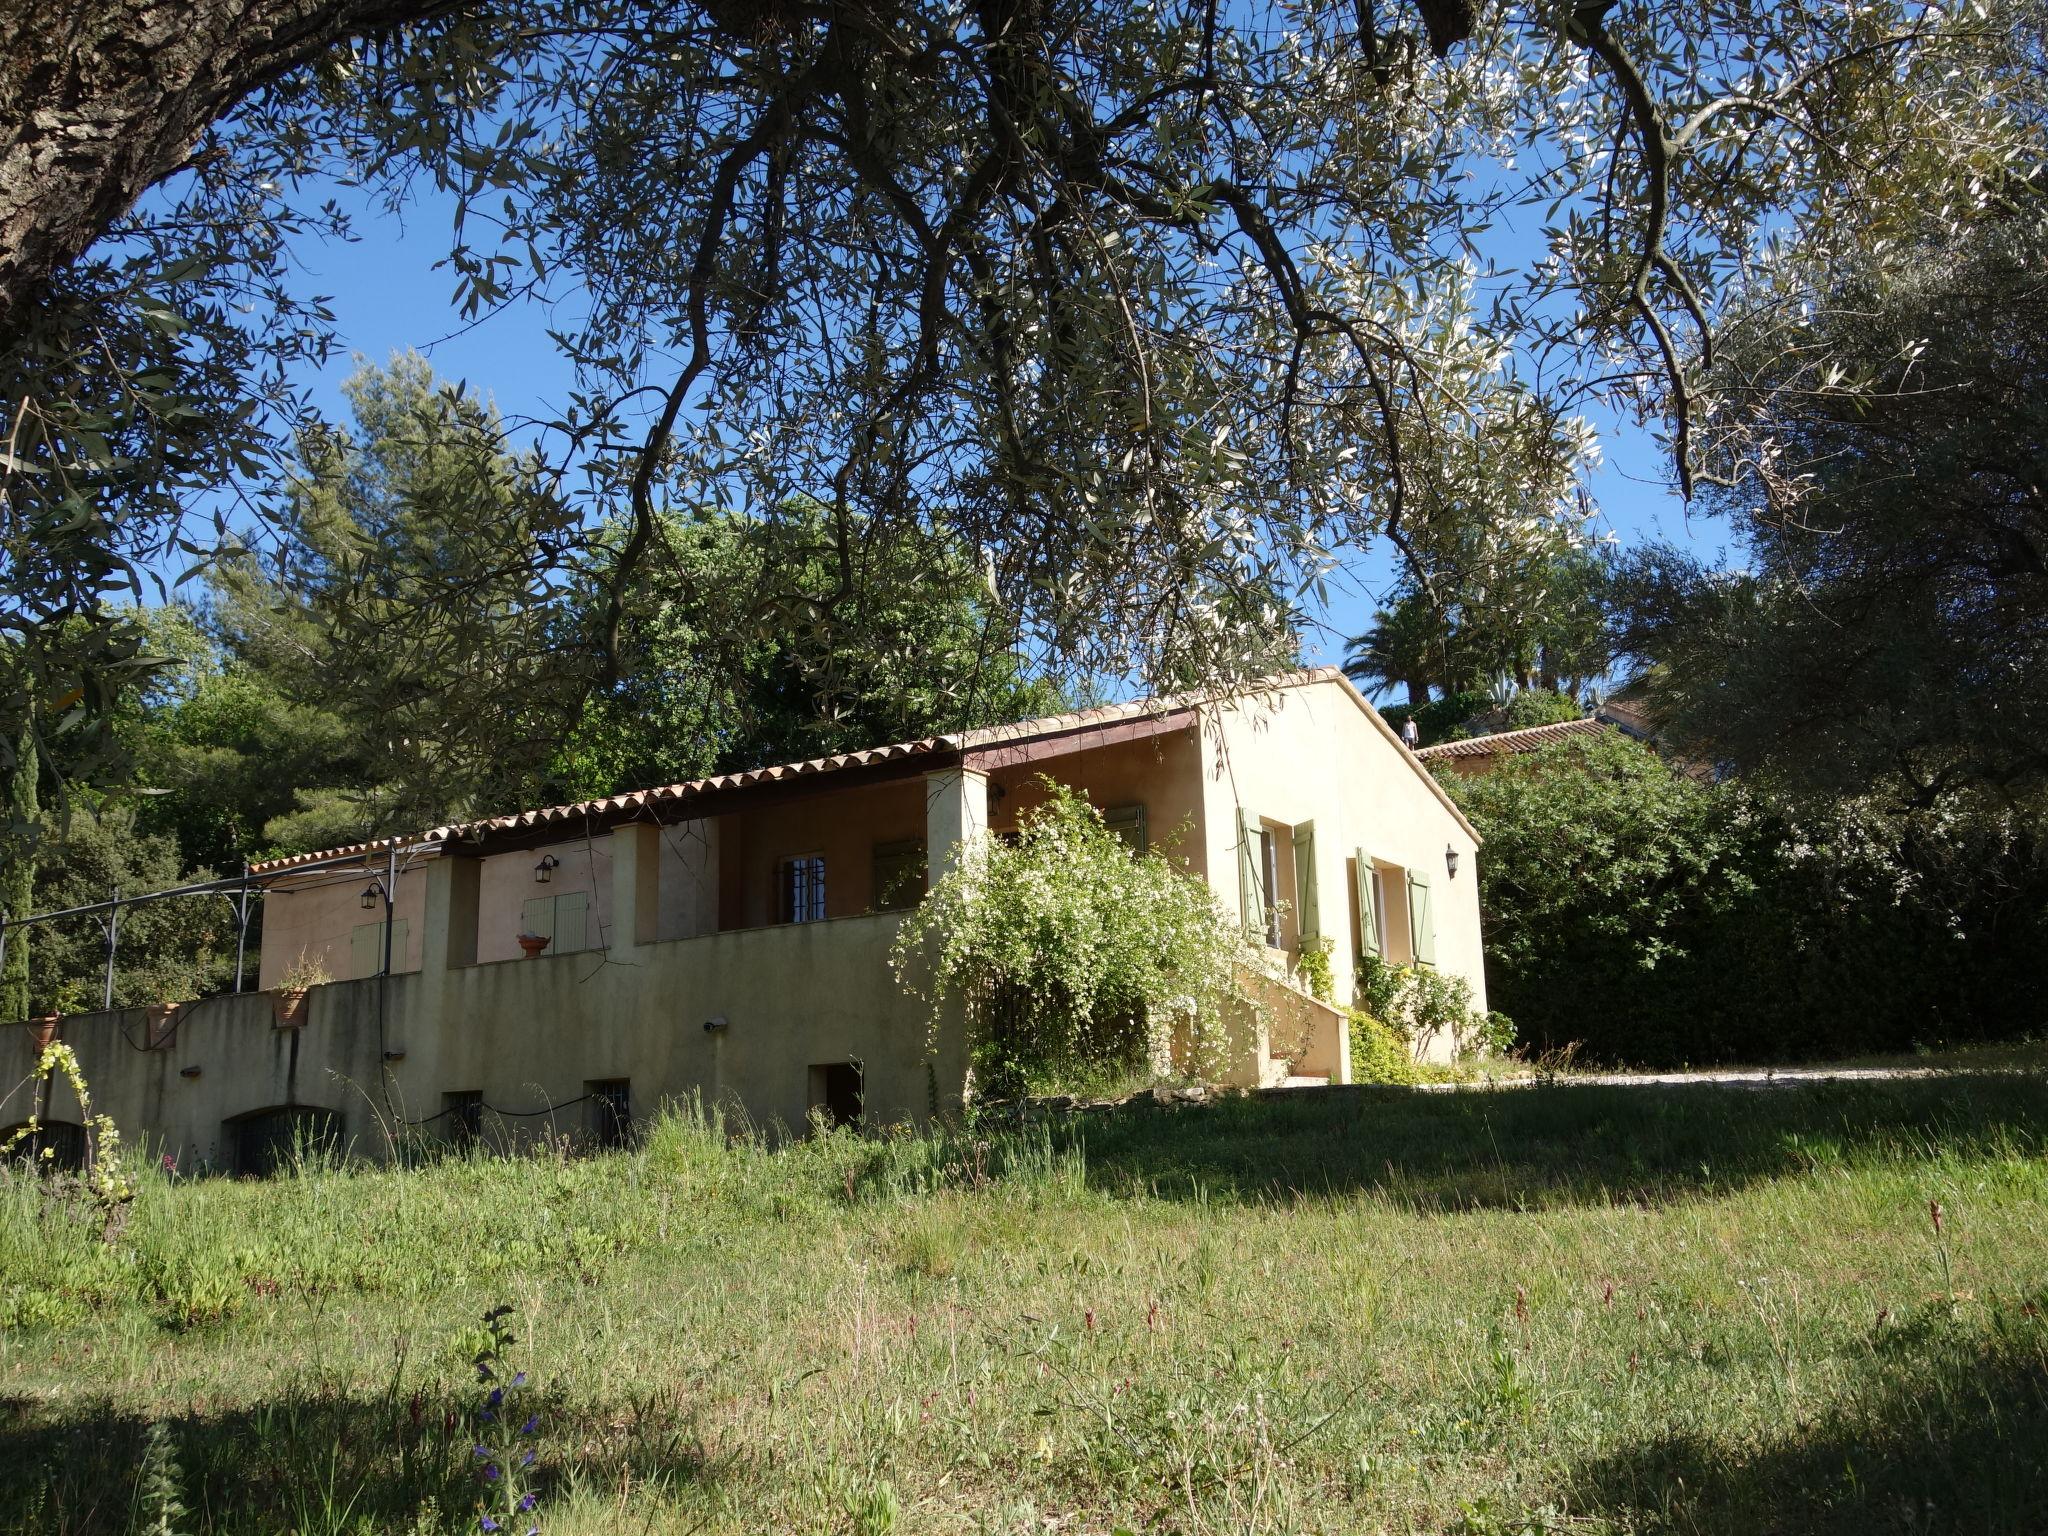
(463, 1114)
(270, 1139)
(63, 1141)
(836, 1092)
(800, 889)
(611, 1111)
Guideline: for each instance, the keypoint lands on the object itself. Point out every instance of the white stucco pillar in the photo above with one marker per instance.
(955, 815)
(636, 885)
(448, 925)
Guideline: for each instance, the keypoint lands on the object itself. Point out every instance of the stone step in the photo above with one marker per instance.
(1305, 1082)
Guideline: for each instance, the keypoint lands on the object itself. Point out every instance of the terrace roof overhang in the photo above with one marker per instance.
(990, 750)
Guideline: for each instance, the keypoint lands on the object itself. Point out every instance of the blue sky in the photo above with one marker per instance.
(388, 297)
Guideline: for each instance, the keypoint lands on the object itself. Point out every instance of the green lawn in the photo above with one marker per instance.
(1573, 1308)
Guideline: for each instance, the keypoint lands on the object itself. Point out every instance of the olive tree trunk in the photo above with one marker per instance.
(18, 871)
(102, 99)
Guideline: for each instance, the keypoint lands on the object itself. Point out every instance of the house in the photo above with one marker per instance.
(730, 936)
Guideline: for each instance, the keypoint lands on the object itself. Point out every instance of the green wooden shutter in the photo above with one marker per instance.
(537, 917)
(1368, 919)
(572, 923)
(1421, 920)
(1251, 895)
(366, 948)
(1308, 906)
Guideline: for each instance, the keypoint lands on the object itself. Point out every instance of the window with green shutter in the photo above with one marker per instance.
(1308, 911)
(366, 948)
(1365, 879)
(564, 921)
(1251, 887)
(1421, 919)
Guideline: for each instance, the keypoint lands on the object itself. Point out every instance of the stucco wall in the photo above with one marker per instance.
(1162, 773)
(318, 915)
(528, 1034)
(316, 918)
(1313, 753)
(844, 826)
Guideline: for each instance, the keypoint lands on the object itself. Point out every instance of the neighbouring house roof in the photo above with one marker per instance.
(987, 747)
(1528, 739)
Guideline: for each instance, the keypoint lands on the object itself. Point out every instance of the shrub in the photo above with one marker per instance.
(1378, 1055)
(1073, 958)
(1421, 1004)
(1659, 919)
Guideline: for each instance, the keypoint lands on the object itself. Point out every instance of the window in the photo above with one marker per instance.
(63, 1140)
(1386, 911)
(366, 947)
(563, 920)
(464, 1112)
(800, 889)
(611, 1111)
(1421, 919)
(1128, 823)
(899, 874)
(836, 1092)
(271, 1139)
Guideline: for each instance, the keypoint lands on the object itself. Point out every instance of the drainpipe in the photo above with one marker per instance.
(113, 940)
(242, 928)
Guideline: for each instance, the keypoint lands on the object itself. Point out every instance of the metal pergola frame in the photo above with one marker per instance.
(242, 890)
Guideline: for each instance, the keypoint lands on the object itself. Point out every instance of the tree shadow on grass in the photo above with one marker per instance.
(311, 1461)
(1544, 1146)
(1951, 1437)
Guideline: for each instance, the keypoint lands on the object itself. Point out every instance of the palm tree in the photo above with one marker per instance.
(1399, 649)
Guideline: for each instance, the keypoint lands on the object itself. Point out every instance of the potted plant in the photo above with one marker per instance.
(533, 943)
(70, 998)
(288, 999)
(162, 1015)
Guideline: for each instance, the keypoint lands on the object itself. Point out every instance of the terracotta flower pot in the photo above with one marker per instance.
(163, 1024)
(288, 1007)
(532, 943)
(43, 1029)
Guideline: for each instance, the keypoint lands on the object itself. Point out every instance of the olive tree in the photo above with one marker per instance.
(1156, 307)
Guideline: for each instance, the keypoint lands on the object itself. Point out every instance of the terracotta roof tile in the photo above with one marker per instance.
(1528, 739)
(625, 805)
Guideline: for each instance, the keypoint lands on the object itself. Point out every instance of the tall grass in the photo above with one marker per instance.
(1566, 1308)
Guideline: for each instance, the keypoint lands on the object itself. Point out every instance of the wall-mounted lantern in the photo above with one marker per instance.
(1451, 860)
(544, 871)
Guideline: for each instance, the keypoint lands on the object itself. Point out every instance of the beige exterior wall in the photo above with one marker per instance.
(527, 1034)
(1317, 754)
(318, 916)
(316, 919)
(1162, 773)
(843, 827)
